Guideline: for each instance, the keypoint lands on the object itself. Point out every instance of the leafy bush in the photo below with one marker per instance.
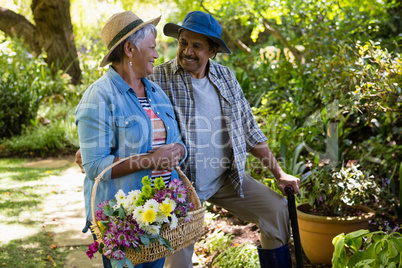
(243, 256)
(217, 241)
(59, 135)
(367, 249)
(26, 81)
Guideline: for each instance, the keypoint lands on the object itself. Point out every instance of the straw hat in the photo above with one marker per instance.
(202, 23)
(120, 26)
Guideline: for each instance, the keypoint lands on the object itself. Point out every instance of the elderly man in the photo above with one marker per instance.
(218, 128)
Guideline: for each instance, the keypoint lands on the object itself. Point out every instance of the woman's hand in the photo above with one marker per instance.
(78, 160)
(166, 157)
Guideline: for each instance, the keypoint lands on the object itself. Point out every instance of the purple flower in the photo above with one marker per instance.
(181, 197)
(103, 204)
(160, 196)
(188, 219)
(108, 252)
(118, 255)
(174, 184)
(112, 226)
(93, 248)
(385, 181)
(122, 240)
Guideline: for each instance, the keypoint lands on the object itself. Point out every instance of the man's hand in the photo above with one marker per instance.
(288, 180)
(78, 160)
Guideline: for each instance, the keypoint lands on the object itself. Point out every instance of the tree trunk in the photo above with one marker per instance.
(52, 33)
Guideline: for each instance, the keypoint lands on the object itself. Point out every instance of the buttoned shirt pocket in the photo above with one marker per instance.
(131, 132)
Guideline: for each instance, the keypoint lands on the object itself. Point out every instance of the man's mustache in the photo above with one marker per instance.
(185, 57)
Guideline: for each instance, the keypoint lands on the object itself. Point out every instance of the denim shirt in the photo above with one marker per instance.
(111, 123)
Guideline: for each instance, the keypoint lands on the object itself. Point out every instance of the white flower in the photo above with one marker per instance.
(133, 195)
(161, 218)
(152, 204)
(173, 222)
(130, 208)
(138, 213)
(152, 229)
(120, 197)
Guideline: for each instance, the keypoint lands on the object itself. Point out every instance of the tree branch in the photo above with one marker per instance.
(16, 25)
(275, 33)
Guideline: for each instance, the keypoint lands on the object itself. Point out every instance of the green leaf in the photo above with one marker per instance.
(136, 249)
(108, 210)
(360, 259)
(128, 263)
(400, 189)
(101, 247)
(339, 256)
(145, 240)
(122, 214)
(392, 251)
(117, 263)
(165, 242)
(383, 257)
(358, 233)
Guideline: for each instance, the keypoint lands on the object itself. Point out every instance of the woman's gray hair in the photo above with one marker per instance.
(136, 38)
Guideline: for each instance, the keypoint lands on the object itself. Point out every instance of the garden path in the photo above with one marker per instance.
(65, 213)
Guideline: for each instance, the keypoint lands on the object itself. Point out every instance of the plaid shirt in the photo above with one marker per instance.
(243, 130)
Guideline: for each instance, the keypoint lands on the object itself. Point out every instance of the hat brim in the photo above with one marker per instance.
(172, 30)
(154, 21)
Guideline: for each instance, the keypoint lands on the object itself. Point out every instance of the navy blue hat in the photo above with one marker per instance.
(202, 23)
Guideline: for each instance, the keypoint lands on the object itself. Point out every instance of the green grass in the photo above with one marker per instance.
(22, 194)
(35, 251)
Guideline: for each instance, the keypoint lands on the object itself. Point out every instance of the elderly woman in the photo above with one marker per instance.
(124, 114)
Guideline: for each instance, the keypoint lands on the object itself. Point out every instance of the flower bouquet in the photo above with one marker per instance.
(129, 227)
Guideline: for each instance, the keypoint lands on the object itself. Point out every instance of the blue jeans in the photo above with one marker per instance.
(106, 261)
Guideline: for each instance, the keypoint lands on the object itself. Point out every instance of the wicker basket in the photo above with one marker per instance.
(186, 233)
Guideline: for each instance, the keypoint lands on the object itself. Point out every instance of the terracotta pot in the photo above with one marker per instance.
(317, 232)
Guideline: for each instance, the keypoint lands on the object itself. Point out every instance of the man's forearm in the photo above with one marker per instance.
(262, 152)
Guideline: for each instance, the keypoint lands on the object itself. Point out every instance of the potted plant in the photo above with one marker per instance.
(335, 198)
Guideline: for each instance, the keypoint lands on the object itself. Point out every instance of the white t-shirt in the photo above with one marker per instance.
(212, 139)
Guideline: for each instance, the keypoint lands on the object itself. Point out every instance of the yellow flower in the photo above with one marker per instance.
(149, 216)
(101, 227)
(166, 209)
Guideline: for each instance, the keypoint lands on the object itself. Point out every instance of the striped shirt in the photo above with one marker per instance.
(244, 131)
(159, 138)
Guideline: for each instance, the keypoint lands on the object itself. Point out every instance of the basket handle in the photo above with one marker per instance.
(193, 197)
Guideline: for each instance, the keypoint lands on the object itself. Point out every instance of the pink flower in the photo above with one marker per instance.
(90, 254)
